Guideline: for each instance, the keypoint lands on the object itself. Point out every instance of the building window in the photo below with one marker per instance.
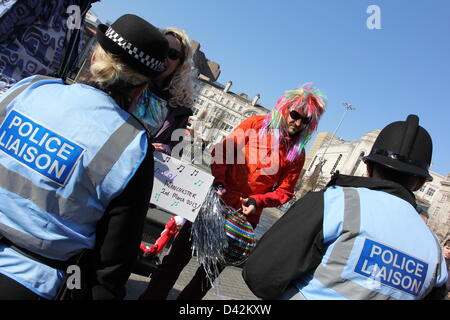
(443, 198)
(430, 192)
(361, 155)
(422, 189)
(310, 166)
(335, 165)
(436, 211)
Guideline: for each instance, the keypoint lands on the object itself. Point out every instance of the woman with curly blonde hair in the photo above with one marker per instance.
(166, 104)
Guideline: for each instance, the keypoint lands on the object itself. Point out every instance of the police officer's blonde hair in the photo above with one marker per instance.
(107, 71)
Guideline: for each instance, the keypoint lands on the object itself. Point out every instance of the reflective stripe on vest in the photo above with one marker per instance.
(94, 173)
(49, 200)
(71, 206)
(330, 274)
(368, 253)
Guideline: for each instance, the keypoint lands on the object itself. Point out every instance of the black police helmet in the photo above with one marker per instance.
(136, 42)
(404, 146)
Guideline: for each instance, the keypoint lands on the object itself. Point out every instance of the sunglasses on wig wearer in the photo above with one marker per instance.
(174, 54)
(297, 116)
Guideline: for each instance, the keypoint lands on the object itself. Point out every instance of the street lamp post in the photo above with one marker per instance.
(320, 164)
(347, 107)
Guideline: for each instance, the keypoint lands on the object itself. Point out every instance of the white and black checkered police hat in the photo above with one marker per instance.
(136, 42)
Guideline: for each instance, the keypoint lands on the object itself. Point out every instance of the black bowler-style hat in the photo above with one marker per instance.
(404, 146)
(136, 42)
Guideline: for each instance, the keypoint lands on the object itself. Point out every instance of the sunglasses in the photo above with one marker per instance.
(297, 116)
(174, 54)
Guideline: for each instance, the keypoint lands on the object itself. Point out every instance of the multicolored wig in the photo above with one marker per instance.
(309, 101)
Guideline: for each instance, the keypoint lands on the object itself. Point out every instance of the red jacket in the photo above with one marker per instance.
(250, 166)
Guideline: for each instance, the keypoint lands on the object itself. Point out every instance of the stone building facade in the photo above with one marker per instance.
(218, 110)
(435, 197)
(332, 153)
(346, 156)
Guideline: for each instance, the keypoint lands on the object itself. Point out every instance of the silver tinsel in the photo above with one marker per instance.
(209, 239)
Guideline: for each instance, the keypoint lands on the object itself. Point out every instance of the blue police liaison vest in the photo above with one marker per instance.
(377, 248)
(65, 152)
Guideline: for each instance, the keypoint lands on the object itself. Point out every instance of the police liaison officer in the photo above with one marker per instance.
(361, 237)
(77, 170)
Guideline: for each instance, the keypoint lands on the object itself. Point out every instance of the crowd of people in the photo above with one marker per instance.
(77, 173)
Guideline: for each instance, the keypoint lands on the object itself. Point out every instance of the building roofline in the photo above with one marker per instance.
(220, 86)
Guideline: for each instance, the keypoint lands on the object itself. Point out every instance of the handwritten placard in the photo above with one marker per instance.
(179, 187)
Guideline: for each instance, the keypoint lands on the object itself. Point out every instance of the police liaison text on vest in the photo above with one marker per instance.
(390, 270)
(29, 153)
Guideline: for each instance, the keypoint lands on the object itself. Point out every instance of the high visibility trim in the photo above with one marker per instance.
(329, 274)
(49, 200)
(93, 175)
(111, 151)
(21, 239)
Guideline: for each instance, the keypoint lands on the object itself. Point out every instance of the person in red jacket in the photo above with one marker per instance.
(255, 167)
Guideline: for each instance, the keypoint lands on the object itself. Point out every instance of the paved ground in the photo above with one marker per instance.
(231, 286)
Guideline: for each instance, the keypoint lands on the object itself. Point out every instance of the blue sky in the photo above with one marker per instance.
(268, 47)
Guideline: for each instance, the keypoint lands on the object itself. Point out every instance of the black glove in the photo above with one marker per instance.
(218, 185)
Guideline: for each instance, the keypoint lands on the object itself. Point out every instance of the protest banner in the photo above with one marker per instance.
(178, 187)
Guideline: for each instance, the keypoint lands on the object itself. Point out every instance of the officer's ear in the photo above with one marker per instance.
(369, 167)
(92, 58)
(419, 183)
